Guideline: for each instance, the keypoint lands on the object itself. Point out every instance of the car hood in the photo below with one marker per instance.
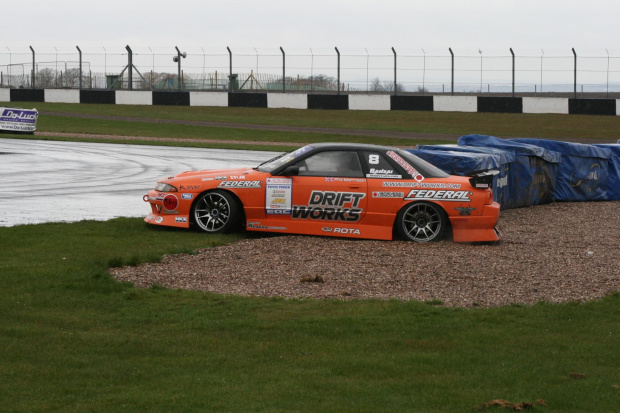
(212, 173)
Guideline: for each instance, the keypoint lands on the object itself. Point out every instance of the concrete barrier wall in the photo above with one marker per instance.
(139, 97)
(499, 104)
(98, 96)
(455, 103)
(545, 105)
(247, 100)
(208, 99)
(317, 101)
(27, 95)
(62, 95)
(416, 103)
(592, 107)
(171, 98)
(5, 95)
(329, 102)
(369, 102)
(287, 100)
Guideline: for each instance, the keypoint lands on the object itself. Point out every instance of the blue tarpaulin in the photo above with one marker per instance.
(532, 174)
(501, 189)
(613, 172)
(583, 173)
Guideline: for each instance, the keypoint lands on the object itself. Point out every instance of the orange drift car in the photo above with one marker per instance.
(343, 190)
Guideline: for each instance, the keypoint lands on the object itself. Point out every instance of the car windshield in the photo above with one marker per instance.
(281, 159)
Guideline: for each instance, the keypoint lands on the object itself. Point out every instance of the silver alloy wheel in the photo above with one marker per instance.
(422, 222)
(213, 212)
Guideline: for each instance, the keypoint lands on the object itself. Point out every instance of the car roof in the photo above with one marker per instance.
(350, 146)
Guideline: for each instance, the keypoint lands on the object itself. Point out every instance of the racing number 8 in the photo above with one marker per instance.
(373, 159)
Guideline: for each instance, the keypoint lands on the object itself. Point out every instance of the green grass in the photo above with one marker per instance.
(74, 339)
(583, 127)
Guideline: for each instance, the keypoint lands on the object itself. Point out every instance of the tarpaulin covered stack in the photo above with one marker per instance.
(532, 174)
(613, 172)
(583, 172)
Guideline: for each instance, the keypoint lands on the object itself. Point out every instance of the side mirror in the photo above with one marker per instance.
(290, 171)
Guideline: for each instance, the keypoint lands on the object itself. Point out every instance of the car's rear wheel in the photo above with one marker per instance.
(421, 222)
(216, 212)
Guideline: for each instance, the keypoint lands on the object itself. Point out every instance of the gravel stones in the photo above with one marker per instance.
(557, 252)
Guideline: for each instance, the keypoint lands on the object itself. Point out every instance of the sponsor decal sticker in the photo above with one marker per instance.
(383, 176)
(441, 195)
(406, 165)
(352, 231)
(331, 206)
(421, 185)
(159, 220)
(180, 219)
(240, 184)
(170, 202)
(278, 196)
(465, 211)
(337, 230)
(189, 187)
(187, 196)
(384, 194)
(258, 225)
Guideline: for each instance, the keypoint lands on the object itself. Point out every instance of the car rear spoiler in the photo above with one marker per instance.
(482, 179)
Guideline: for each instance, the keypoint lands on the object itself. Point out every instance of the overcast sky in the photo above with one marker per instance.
(357, 24)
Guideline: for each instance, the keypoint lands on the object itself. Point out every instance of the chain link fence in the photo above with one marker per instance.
(585, 73)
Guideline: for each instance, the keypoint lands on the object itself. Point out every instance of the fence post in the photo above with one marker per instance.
(452, 70)
(513, 72)
(129, 67)
(230, 69)
(283, 70)
(33, 68)
(575, 82)
(78, 48)
(395, 89)
(338, 86)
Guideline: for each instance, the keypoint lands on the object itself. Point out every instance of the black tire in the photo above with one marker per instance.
(421, 222)
(216, 212)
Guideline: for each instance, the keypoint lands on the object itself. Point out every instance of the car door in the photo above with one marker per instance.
(330, 188)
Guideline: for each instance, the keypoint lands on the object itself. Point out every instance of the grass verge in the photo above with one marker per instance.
(579, 127)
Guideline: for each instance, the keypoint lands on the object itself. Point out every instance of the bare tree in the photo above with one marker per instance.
(376, 86)
(46, 78)
(389, 87)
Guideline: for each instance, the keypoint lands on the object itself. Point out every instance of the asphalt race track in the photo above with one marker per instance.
(48, 181)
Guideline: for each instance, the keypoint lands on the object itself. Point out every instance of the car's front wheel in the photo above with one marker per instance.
(216, 212)
(421, 222)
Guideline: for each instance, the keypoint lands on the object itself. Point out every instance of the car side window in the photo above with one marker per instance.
(331, 163)
(378, 166)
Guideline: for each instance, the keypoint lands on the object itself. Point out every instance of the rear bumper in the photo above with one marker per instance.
(481, 228)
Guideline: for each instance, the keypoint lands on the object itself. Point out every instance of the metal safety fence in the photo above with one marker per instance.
(584, 73)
